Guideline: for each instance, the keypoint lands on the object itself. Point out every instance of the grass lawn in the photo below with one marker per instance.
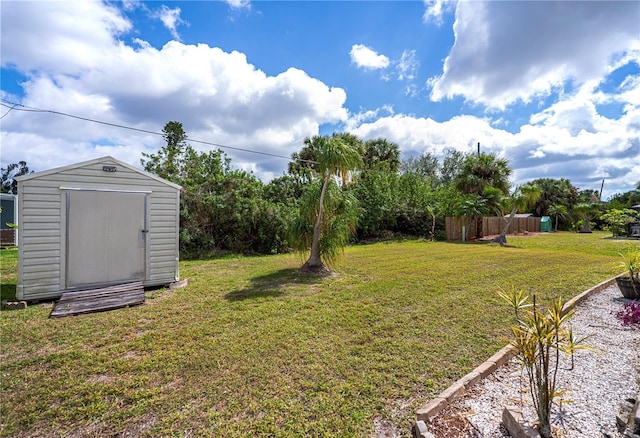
(251, 348)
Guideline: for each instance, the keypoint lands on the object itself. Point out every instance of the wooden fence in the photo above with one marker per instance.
(8, 237)
(490, 226)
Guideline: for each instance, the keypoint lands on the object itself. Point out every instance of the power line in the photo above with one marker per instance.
(5, 114)
(20, 107)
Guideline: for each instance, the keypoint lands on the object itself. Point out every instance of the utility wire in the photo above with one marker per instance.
(20, 107)
(5, 114)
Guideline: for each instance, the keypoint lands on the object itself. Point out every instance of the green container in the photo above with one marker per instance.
(545, 224)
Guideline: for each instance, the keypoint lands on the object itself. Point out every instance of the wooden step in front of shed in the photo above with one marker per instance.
(95, 300)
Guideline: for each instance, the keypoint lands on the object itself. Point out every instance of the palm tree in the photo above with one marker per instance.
(557, 210)
(334, 158)
(473, 207)
(554, 192)
(523, 198)
(586, 212)
(479, 172)
(381, 152)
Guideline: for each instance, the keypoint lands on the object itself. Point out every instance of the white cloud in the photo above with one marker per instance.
(365, 57)
(363, 116)
(510, 51)
(569, 139)
(418, 135)
(218, 96)
(435, 9)
(407, 65)
(171, 19)
(59, 37)
(239, 4)
(75, 59)
(130, 5)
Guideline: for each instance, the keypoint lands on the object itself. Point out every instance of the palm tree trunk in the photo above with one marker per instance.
(314, 263)
(502, 238)
(586, 227)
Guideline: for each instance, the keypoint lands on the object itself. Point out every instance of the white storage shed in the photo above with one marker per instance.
(97, 223)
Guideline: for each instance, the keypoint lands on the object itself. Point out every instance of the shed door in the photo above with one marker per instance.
(105, 237)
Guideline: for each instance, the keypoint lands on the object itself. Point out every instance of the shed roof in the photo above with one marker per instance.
(106, 159)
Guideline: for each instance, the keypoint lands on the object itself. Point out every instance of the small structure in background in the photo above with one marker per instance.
(8, 218)
(545, 224)
(95, 224)
(633, 229)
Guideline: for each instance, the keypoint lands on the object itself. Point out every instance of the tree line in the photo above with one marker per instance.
(362, 188)
(340, 189)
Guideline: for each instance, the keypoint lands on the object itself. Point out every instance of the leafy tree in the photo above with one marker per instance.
(414, 201)
(588, 196)
(221, 208)
(168, 163)
(617, 220)
(479, 172)
(621, 201)
(451, 166)
(7, 179)
(334, 157)
(426, 166)
(287, 190)
(378, 194)
(445, 199)
(404, 203)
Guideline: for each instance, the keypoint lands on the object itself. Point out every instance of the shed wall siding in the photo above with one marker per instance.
(42, 222)
(163, 224)
(39, 241)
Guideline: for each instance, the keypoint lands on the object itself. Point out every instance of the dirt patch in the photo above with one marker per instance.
(385, 428)
(100, 378)
(451, 423)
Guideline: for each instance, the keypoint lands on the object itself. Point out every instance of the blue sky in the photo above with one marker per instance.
(554, 87)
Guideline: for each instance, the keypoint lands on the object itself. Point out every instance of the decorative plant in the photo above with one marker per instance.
(630, 314)
(629, 282)
(631, 263)
(539, 337)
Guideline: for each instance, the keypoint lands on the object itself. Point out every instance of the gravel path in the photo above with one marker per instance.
(602, 378)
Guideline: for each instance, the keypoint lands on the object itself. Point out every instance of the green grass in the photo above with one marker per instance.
(251, 348)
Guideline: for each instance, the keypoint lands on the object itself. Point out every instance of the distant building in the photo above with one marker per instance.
(8, 217)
